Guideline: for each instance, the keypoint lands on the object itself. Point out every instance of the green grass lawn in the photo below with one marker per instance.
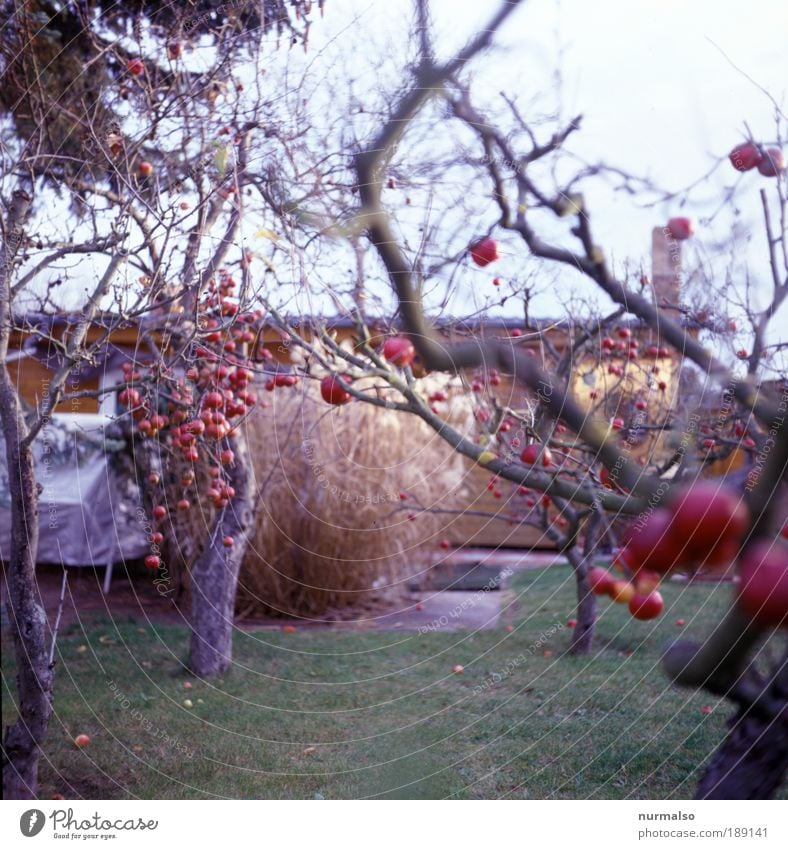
(354, 714)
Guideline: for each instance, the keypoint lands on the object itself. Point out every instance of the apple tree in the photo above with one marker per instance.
(682, 523)
(126, 159)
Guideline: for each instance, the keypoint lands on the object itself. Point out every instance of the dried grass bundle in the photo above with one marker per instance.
(332, 529)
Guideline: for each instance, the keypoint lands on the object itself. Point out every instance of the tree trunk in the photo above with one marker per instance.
(584, 630)
(22, 740)
(583, 633)
(752, 761)
(214, 577)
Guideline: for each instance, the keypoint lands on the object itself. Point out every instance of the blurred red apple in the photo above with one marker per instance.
(680, 228)
(399, 350)
(745, 157)
(763, 588)
(484, 251)
(646, 606)
(773, 162)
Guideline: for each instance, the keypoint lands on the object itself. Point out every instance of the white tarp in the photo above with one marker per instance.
(87, 513)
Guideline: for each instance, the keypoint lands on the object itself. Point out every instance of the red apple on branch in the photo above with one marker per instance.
(531, 454)
(763, 582)
(622, 592)
(773, 162)
(600, 580)
(646, 606)
(680, 228)
(332, 392)
(485, 251)
(399, 350)
(745, 157)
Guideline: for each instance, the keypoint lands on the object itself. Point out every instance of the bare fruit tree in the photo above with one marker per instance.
(115, 135)
(752, 761)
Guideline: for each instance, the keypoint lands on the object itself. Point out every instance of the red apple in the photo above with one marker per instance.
(706, 516)
(745, 157)
(213, 400)
(622, 592)
(773, 162)
(145, 168)
(135, 67)
(184, 504)
(228, 542)
(617, 423)
(444, 543)
(485, 251)
(152, 561)
(653, 545)
(531, 453)
(458, 669)
(399, 350)
(763, 587)
(332, 392)
(174, 49)
(81, 740)
(159, 511)
(680, 228)
(646, 606)
(646, 581)
(600, 580)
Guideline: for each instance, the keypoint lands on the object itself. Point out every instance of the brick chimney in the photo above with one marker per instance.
(665, 267)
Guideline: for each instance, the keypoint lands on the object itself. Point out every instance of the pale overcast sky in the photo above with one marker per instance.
(654, 81)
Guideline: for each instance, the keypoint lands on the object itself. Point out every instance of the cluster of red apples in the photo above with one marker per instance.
(702, 527)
